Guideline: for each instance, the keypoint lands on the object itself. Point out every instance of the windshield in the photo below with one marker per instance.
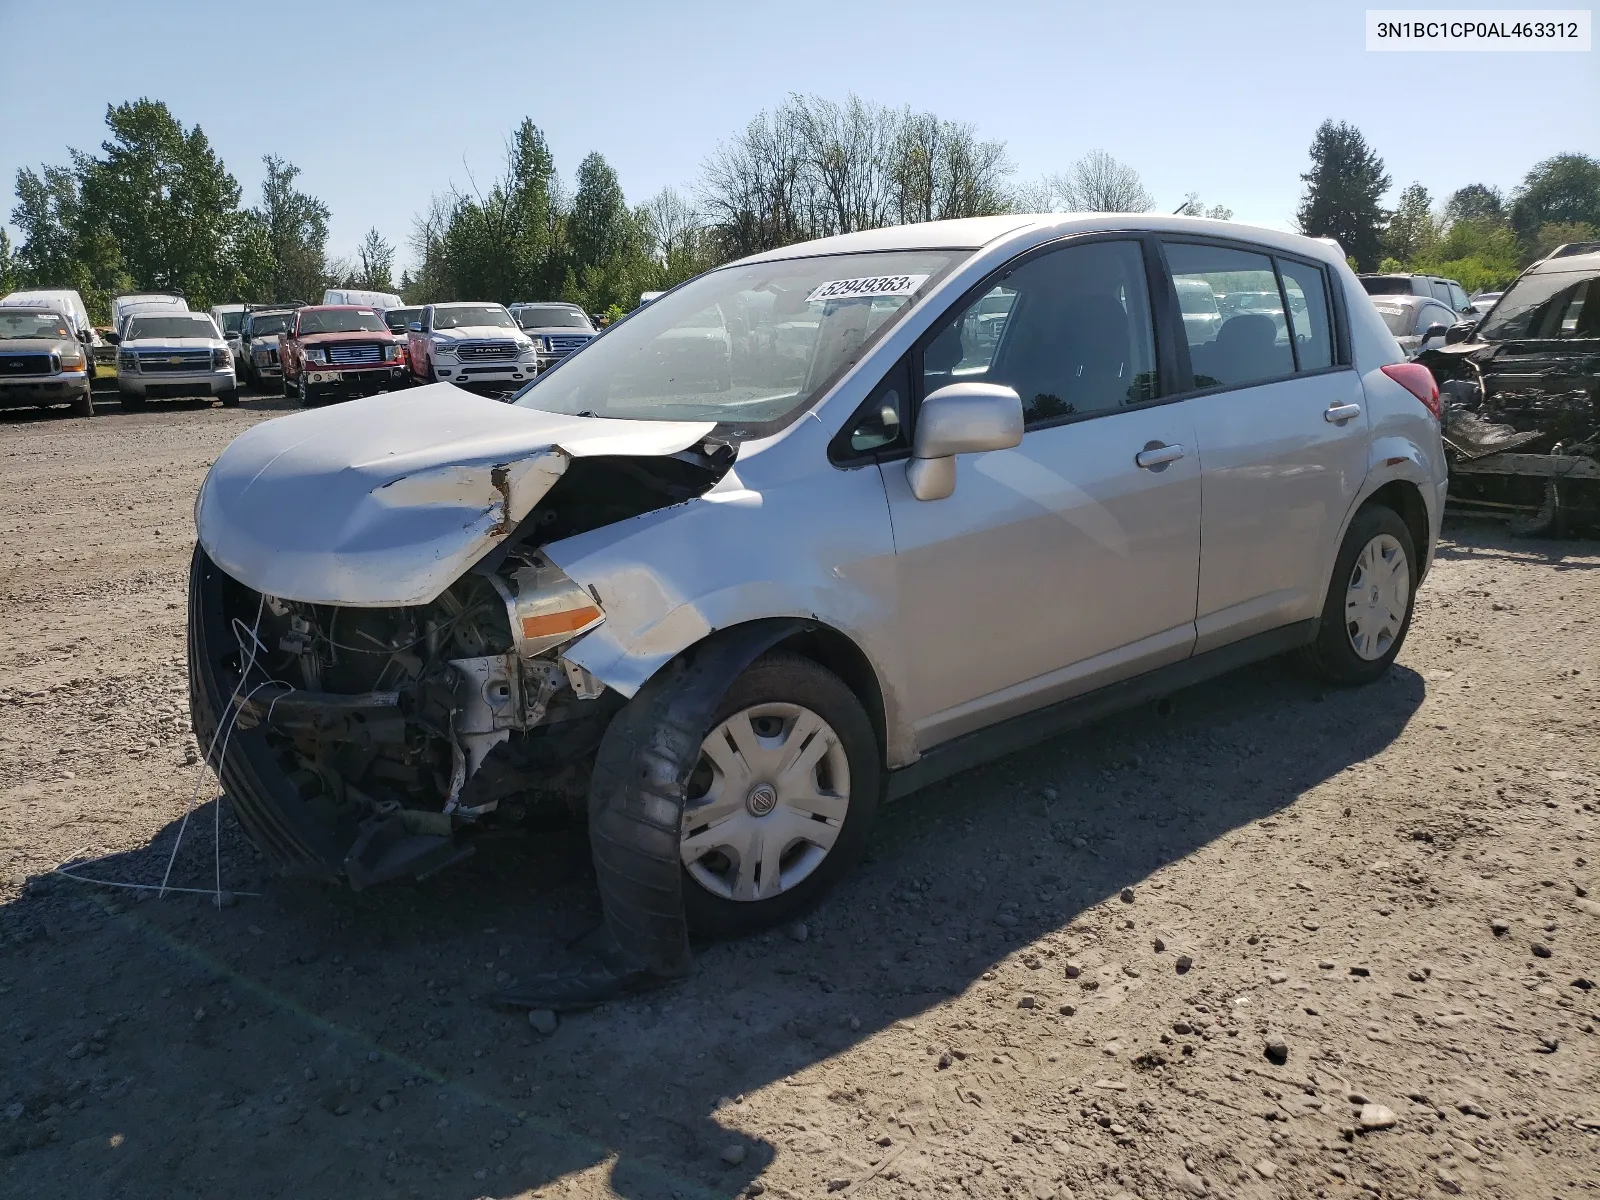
(341, 320)
(553, 316)
(399, 319)
(190, 325)
(1559, 304)
(467, 317)
(743, 345)
(232, 322)
(23, 323)
(268, 325)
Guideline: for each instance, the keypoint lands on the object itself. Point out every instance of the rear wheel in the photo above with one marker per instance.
(782, 800)
(1367, 613)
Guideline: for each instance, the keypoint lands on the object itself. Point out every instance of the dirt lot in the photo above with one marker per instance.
(1172, 956)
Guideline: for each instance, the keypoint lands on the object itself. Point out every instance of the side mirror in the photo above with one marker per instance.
(1459, 332)
(415, 327)
(1435, 330)
(85, 337)
(1470, 310)
(960, 418)
(113, 337)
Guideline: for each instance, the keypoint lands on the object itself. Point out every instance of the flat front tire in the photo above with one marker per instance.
(1367, 613)
(782, 800)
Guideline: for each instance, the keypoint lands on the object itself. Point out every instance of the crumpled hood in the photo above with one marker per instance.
(387, 500)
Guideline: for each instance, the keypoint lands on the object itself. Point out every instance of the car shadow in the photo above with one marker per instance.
(313, 1041)
(1477, 539)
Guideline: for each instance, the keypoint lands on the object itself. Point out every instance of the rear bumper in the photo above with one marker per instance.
(60, 388)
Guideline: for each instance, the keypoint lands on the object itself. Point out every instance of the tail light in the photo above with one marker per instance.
(1419, 381)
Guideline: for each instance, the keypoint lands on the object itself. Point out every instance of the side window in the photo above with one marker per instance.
(1458, 298)
(1246, 340)
(1306, 287)
(1441, 290)
(1070, 330)
(878, 427)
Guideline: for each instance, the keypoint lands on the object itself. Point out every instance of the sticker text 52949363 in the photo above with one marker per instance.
(867, 286)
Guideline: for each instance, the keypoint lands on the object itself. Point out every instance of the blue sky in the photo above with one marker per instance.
(382, 105)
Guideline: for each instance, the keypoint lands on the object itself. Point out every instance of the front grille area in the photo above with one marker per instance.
(352, 354)
(156, 361)
(566, 343)
(15, 366)
(486, 351)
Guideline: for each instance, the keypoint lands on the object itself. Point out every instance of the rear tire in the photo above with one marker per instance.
(1370, 600)
(782, 690)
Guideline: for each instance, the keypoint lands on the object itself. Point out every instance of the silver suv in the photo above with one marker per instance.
(807, 533)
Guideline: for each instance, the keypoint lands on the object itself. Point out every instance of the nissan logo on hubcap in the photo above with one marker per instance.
(763, 798)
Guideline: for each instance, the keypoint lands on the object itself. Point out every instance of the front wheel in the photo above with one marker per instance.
(781, 801)
(229, 398)
(83, 406)
(1367, 613)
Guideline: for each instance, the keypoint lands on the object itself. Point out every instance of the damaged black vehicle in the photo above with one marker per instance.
(1522, 398)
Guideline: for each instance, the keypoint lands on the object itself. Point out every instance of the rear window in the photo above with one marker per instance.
(1389, 286)
(1397, 319)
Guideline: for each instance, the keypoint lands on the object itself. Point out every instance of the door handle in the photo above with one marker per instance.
(1155, 456)
(1341, 412)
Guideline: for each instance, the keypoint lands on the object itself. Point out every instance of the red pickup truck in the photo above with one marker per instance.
(337, 351)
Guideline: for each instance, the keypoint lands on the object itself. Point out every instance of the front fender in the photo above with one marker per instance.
(817, 548)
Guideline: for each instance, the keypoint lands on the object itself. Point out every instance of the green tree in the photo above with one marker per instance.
(1191, 207)
(1343, 190)
(1480, 254)
(295, 228)
(59, 248)
(1412, 229)
(1475, 202)
(1557, 233)
(374, 264)
(10, 269)
(164, 197)
(1565, 188)
(602, 240)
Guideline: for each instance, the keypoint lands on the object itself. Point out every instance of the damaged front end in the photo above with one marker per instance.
(376, 740)
(1521, 430)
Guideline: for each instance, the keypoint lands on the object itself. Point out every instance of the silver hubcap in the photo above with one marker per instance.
(1379, 594)
(766, 802)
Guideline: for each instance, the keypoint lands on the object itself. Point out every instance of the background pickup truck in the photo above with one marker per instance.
(338, 351)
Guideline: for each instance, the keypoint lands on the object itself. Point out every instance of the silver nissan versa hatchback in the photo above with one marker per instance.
(806, 533)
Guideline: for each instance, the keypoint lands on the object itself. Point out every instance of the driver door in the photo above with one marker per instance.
(1073, 560)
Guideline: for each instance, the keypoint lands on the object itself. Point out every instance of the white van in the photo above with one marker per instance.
(378, 300)
(63, 300)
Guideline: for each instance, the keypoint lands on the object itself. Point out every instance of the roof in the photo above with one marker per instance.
(971, 233)
(1570, 262)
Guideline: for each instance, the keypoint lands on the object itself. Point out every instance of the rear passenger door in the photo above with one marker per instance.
(1282, 432)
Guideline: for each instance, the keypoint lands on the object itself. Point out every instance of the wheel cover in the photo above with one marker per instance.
(766, 802)
(1378, 597)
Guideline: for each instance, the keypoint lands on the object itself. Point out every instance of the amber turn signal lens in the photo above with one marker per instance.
(552, 624)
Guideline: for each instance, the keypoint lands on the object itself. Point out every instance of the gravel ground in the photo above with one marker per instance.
(1265, 940)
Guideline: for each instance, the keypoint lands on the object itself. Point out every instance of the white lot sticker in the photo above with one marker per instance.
(870, 285)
